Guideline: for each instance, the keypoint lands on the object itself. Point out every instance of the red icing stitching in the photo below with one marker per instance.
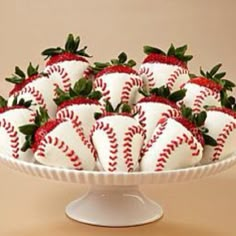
(129, 85)
(66, 81)
(127, 145)
(63, 147)
(113, 149)
(14, 139)
(77, 125)
(170, 147)
(148, 74)
(221, 139)
(174, 76)
(197, 104)
(170, 113)
(100, 84)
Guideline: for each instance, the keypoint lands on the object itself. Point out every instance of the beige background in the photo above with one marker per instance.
(31, 206)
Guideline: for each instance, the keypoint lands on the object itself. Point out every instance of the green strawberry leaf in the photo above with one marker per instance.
(122, 58)
(171, 50)
(149, 50)
(95, 95)
(108, 106)
(178, 95)
(32, 70)
(28, 129)
(19, 72)
(209, 140)
(181, 50)
(214, 70)
(15, 80)
(3, 102)
(126, 108)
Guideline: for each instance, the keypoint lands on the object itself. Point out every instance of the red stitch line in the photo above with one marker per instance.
(197, 104)
(170, 147)
(101, 85)
(221, 139)
(148, 75)
(133, 83)
(113, 149)
(14, 139)
(174, 76)
(64, 148)
(57, 69)
(170, 113)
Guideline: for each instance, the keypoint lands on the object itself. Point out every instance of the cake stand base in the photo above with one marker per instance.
(114, 206)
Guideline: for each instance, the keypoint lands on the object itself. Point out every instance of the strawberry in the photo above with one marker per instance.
(10, 119)
(34, 86)
(117, 81)
(117, 138)
(224, 132)
(207, 89)
(79, 104)
(53, 146)
(160, 68)
(158, 103)
(66, 65)
(174, 136)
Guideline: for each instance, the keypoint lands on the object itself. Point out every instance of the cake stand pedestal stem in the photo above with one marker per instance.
(114, 206)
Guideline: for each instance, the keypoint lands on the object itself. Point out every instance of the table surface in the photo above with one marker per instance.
(34, 206)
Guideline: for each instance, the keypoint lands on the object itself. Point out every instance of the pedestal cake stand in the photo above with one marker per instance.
(114, 199)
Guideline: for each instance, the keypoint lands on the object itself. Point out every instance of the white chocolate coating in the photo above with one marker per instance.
(63, 147)
(174, 147)
(40, 91)
(11, 138)
(222, 127)
(65, 74)
(117, 87)
(159, 74)
(118, 141)
(83, 113)
(198, 96)
(150, 113)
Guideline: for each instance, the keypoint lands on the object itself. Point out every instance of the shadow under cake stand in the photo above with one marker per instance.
(114, 199)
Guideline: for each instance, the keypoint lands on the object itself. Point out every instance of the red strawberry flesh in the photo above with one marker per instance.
(66, 56)
(157, 99)
(223, 110)
(192, 128)
(42, 131)
(19, 87)
(77, 101)
(159, 58)
(117, 69)
(202, 81)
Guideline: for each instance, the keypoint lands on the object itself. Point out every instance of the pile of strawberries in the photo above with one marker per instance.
(111, 117)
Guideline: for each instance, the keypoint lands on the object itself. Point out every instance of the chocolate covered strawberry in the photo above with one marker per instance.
(157, 104)
(57, 143)
(221, 123)
(33, 86)
(176, 142)
(10, 119)
(79, 105)
(206, 90)
(169, 69)
(118, 139)
(117, 81)
(66, 65)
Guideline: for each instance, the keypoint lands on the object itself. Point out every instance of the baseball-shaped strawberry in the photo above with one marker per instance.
(206, 90)
(79, 105)
(117, 81)
(34, 86)
(160, 68)
(10, 120)
(66, 66)
(176, 143)
(57, 143)
(118, 139)
(221, 123)
(159, 103)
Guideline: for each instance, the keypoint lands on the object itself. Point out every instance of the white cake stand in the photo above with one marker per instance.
(114, 199)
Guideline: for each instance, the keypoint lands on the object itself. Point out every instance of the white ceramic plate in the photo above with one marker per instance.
(116, 194)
